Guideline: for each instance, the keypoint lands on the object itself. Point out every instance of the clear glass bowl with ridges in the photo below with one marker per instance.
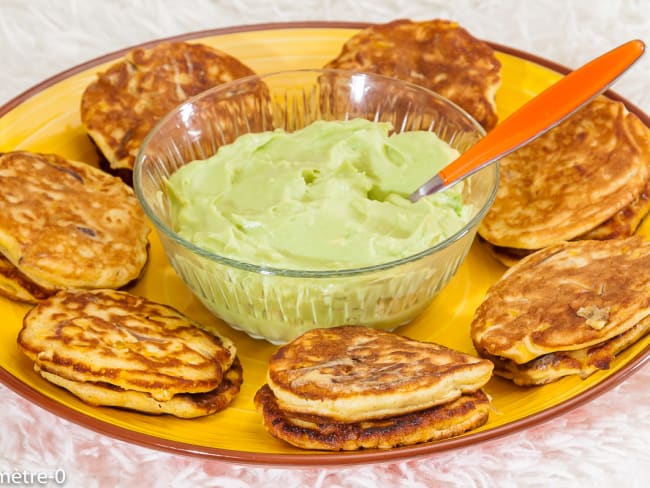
(280, 304)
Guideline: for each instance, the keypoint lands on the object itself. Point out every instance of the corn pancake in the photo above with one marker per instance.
(571, 179)
(623, 223)
(566, 297)
(437, 54)
(508, 256)
(354, 373)
(66, 224)
(183, 405)
(128, 341)
(16, 286)
(120, 108)
(583, 362)
(467, 412)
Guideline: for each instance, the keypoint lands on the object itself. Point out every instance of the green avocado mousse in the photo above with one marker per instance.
(328, 198)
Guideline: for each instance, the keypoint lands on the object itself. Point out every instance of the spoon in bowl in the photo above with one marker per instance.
(537, 116)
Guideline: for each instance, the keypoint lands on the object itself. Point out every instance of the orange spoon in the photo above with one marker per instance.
(537, 116)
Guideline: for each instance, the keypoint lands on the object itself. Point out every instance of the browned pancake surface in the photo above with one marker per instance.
(565, 297)
(437, 54)
(582, 362)
(124, 340)
(570, 180)
(183, 405)
(624, 222)
(120, 108)
(16, 286)
(353, 372)
(313, 432)
(68, 224)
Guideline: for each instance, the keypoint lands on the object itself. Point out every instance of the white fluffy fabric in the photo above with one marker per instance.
(602, 443)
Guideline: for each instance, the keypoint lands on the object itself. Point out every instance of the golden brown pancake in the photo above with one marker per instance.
(183, 405)
(352, 373)
(582, 362)
(66, 224)
(624, 222)
(508, 256)
(120, 108)
(16, 286)
(571, 179)
(566, 297)
(108, 336)
(437, 54)
(467, 412)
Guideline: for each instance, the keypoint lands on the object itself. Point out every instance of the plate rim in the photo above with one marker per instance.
(305, 459)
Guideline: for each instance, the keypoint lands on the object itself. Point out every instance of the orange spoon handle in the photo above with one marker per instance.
(540, 114)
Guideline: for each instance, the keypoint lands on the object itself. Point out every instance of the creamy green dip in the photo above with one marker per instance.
(327, 197)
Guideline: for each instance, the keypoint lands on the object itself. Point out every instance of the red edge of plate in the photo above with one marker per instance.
(329, 458)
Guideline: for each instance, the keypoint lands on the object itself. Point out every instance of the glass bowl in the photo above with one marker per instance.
(280, 304)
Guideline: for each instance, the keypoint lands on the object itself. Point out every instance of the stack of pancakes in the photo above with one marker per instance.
(353, 387)
(566, 310)
(437, 54)
(66, 224)
(120, 108)
(115, 349)
(587, 178)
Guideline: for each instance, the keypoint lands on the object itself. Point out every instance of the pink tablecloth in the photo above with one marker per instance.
(602, 443)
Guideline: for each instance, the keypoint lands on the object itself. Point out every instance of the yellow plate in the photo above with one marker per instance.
(46, 119)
